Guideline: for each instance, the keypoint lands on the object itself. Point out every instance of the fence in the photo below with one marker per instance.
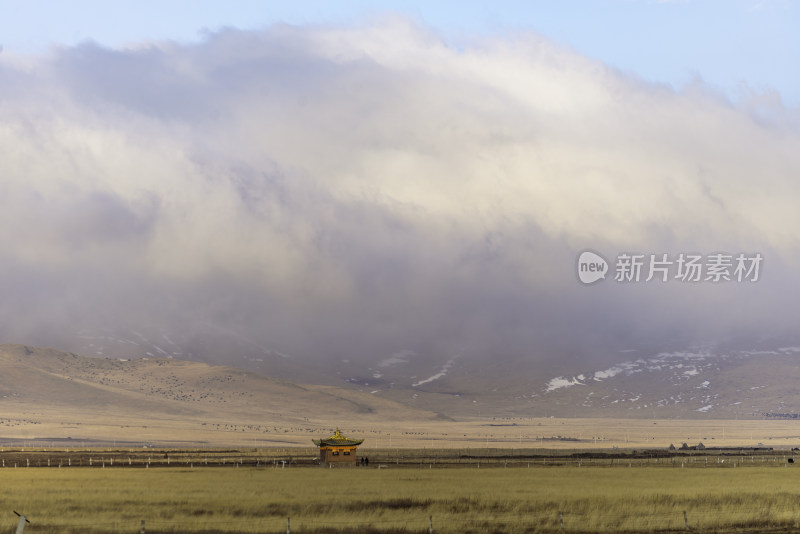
(20, 458)
(563, 523)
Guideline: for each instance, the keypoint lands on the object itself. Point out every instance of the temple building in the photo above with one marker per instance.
(337, 449)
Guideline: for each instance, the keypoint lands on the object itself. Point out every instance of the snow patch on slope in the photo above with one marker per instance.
(561, 382)
(445, 368)
(397, 358)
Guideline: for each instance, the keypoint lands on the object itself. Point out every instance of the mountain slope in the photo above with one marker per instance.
(37, 377)
(698, 384)
(690, 384)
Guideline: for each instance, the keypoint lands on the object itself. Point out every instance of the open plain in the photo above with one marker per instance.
(99, 445)
(250, 491)
(56, 427)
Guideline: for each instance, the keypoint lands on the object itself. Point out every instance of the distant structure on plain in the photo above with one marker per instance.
(337, 450)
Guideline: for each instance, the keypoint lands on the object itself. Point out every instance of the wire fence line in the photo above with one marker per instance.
(19, 460)
(388, 457)
(777, 519)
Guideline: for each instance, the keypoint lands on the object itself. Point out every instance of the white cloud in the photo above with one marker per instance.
(330, 177)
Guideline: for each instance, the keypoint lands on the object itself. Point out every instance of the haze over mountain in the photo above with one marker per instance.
(174, 400)
(314, 202)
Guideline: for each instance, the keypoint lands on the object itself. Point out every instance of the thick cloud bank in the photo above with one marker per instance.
(332, 192)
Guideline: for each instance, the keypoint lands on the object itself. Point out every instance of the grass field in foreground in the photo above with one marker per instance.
(646, 499)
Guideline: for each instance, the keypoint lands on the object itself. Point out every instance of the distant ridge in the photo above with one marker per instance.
(678, 385)
(55, 386)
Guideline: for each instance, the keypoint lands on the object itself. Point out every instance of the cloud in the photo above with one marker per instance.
(354, 192)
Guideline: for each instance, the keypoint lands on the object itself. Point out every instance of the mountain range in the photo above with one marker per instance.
(700, 382)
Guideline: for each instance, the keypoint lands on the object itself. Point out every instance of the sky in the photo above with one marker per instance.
(732, 45)
(354, 180)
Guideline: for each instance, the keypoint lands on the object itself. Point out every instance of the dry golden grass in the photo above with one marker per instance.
(647, 498)
(27, 425)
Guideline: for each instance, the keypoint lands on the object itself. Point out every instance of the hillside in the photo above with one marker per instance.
(754, 384)
(694, 383)
(40, 386)
(702, 383)
(54, 398)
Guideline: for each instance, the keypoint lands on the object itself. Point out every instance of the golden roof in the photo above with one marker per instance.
(337, 439)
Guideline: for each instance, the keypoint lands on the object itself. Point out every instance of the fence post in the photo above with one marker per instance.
(141, 531)
(430, 524)
(561, 519)
(21, 523)
(686, 521)
(288, 525)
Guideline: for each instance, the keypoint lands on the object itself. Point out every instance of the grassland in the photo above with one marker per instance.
(63, 426)
(756, 494)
